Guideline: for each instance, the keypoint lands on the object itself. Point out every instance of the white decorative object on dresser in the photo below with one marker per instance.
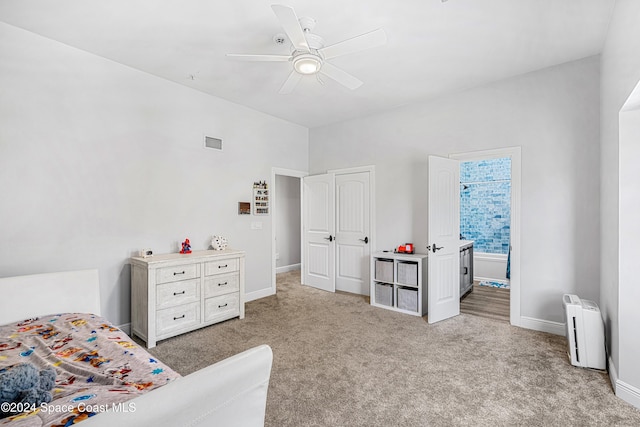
(176, 293)
(399, 282)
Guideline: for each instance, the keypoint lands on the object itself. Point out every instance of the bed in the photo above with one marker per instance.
(103, 377)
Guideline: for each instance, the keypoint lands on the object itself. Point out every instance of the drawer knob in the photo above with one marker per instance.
(223, 266)
(222, 284)
(175, 274)
(181, 317)
(178, 293)
(220, 306)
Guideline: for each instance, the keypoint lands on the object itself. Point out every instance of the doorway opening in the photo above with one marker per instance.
(287, 223)
(286, 248)
(485, 219)
(489, 216)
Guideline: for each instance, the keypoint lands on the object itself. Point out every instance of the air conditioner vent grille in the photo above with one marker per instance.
(213, 143)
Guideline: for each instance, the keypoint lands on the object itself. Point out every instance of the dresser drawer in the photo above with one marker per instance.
(222, 307)
(180, 272)
(221, 284)
(177, 293)
(220, 267)
(178, 318)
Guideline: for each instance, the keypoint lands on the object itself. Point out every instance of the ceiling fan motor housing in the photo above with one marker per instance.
(308, 62)
(307, 24)
(314, 41)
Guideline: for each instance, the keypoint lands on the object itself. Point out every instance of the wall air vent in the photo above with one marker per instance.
(214, 143)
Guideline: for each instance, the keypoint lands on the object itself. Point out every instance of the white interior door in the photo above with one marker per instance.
(353, 224)
(318, 200)
(444, 239)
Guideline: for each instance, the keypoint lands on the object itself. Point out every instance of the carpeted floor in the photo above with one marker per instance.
(340, 362)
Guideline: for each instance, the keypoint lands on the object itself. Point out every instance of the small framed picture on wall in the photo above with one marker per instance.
(244, 208)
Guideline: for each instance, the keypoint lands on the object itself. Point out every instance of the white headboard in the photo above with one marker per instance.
(23, 297)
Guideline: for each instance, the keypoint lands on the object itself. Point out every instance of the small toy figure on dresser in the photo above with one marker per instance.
(186, 247)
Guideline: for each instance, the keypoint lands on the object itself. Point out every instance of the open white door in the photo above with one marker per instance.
(318, 203)
(444, 239)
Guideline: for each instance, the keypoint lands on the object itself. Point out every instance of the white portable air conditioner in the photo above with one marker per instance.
(585, 332)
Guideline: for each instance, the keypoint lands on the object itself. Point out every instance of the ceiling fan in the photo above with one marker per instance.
(309, 55)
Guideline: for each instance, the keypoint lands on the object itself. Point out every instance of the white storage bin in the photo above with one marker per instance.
(407, 299)
(384, 270)
(384, 294)
(408, 273)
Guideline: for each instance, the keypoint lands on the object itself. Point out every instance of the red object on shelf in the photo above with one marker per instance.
(407, 248)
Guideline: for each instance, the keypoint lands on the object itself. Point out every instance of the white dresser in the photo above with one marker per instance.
(176, 293)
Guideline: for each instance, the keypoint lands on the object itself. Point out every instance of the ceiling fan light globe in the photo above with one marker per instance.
(307, 64)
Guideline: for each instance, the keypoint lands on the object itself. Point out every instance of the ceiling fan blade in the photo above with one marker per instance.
(270, 58)
(363, 41)
(290, 83)
(289, 21)
(340, 76)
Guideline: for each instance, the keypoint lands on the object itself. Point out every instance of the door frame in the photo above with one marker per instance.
(274, 194)
(515, 153)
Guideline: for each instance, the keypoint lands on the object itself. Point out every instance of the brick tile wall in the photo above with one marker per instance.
(485, 205)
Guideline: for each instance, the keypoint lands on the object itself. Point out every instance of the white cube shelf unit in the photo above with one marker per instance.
(399, 282)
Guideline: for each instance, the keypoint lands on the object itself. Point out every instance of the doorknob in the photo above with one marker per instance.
(365, 240)
(434, 248)
(330, 238)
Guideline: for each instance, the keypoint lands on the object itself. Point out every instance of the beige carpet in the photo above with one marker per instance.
(340, 362)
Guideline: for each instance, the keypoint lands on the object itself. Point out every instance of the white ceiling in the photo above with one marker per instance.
(434, 46)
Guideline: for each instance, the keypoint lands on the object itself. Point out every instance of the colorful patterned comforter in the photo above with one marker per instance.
(98, 366)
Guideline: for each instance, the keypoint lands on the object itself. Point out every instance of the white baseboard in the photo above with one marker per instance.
(252, 296)
(287, 268)
(555, 328)
(126, 328)
(624, 391)
(628, 393)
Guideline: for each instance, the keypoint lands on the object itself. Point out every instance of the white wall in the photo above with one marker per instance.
(98, 160)
(620, 133)
(629, 371)
(620, 65)
(552, 114)
(287, 220)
